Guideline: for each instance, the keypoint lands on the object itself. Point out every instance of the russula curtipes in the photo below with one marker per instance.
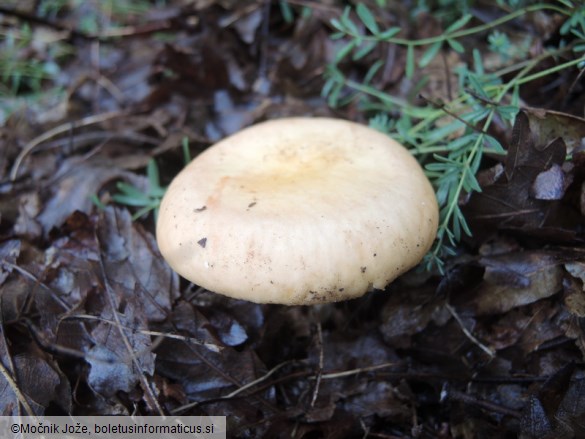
(298, 211)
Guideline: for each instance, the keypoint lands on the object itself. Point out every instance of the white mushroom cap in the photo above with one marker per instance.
(298, 211)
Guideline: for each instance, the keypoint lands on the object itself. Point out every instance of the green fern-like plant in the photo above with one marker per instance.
(145, 200)
(451, 138)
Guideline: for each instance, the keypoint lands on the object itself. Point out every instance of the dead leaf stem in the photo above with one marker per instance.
(149, 394)
(320, 368)
(468, 334)
(63, 128)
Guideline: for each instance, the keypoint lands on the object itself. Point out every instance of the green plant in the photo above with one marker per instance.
(26, 76)
(31, 56)
(19, 73)
(148, 200)
(449, 138)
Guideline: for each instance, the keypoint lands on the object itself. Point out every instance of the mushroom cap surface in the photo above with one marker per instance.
(298, 211)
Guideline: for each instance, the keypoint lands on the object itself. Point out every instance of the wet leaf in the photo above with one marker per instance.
(517, 279)
(556, 411)
(132, 262)
(549, 124)
(72, 189)
(40, 383)
(525, 197)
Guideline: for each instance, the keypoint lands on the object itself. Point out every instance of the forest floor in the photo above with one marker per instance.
(94, 322)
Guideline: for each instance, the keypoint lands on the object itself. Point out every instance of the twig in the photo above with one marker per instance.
(63, 128)
(468, 334)
(296, 375)
(16, 390)
(237, 391)
(443, 107)
(320, 369)
(345, 373)
(488, 405)
(212, 347)
(28, 275)
(149, 394)
(6, 373)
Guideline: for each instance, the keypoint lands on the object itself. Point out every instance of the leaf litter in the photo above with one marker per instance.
(93, 321)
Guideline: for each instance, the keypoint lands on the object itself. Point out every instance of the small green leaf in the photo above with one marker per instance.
(457, 219)
(152, 174)
(144, 210)
(430, 53)
(456, 45)
(440, 134)
(478, 62)
(337, 25)
(157, 192)
(367, 18)
(507, 112)
(389, 33)
(327, 87)
(372, 71)
(459, 23)
(130, 200)
(437, 167)
(410, 61)
(97, 202)
(476, 116)
(129, 190)
(186, 151)
(462, 142)
(347, 22)
(477, 87)
(474, 167)
(470, 183)
(286, 11)
(344, 51)
(495, 145)
(334, 94)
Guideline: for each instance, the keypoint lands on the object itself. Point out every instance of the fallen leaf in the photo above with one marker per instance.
(72, 189)
(549, 124)
(134, 265)
(557, 409)
(529, 196)
(516, 279)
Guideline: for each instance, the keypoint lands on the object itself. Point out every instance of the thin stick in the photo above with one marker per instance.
(468, 334)
(320, 370)
(149, 394)
(63, 128)
(345, 373)
(16, 390)
(212, 347)
(237, 391)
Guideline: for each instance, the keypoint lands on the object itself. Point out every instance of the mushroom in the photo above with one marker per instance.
(298, 211)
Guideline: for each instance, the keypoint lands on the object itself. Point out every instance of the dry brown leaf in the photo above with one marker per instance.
(550, 124)
(516, 279)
